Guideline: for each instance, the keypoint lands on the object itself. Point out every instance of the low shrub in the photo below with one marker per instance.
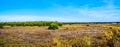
(53, 26)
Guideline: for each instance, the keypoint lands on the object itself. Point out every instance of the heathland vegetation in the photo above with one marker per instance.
(39, 34)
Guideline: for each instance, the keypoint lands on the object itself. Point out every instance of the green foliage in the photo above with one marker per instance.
(2, 42)
(35, 23)
(1, 26)
(60, 24)
(53, 26)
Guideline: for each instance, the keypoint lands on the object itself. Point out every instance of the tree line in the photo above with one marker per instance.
(34, 23)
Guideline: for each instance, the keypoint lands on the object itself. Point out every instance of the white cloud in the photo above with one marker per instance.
(108, 12)
(32, 18)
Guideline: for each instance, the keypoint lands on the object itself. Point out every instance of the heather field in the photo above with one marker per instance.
(59, 23)
(66, 35)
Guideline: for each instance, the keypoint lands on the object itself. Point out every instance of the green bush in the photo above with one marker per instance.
(53, 26)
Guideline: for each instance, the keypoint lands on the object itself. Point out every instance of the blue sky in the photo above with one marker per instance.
(60, 10)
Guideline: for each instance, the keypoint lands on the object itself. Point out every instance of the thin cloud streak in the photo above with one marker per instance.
(107, 13)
